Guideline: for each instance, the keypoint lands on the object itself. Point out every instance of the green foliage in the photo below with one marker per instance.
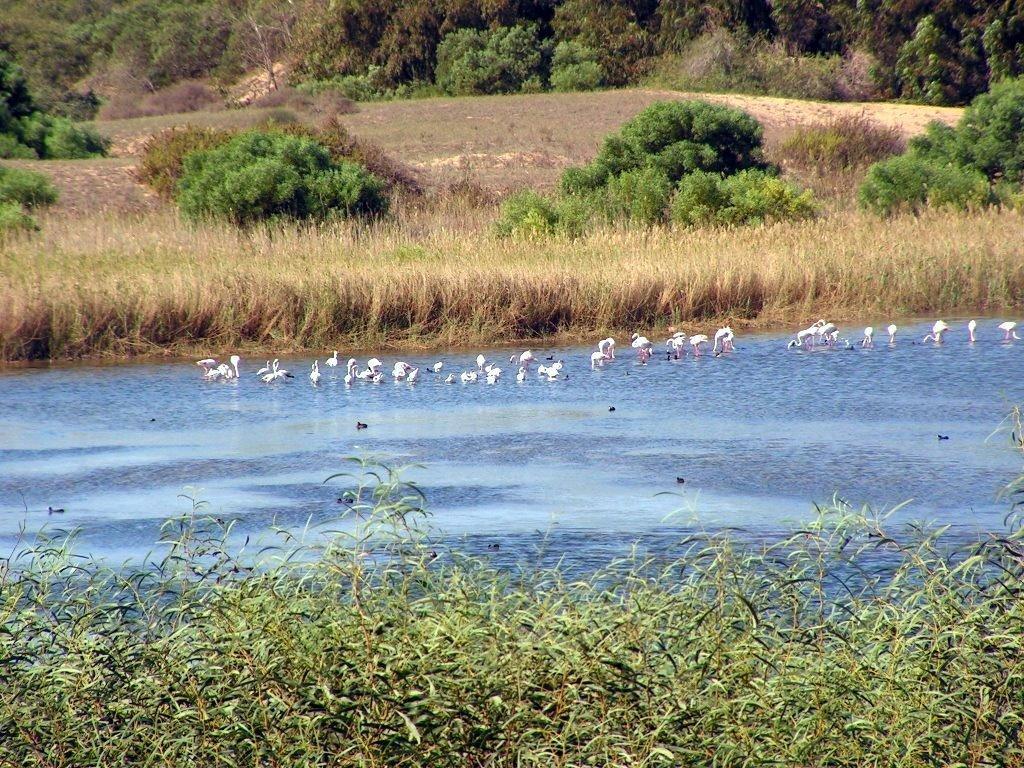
(27, 132)
(748, 197)
(259, 176)
(677, 138)
(527, 213)
(640, 196)
(849, 643)
(574, 67)
(14, 218)
(991, 132)
(503, 60)
(619, 32)
(958, 167)
(27, 188)
(163, 156)
(912, 182)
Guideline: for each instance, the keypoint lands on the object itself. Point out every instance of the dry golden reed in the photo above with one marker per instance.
(441, 277)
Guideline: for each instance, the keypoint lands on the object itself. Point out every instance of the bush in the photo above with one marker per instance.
(991, 132)
(67, 141)
(677, 138)
(261, 176)
(911, 182)
(504, 60)
(163, 155)
(843, 144)
(748, 197)
(527, 213)
(641, 196)
(12, 149)
(186, 96)
(26, 188)
(574, 67)
(14, 218)
(721, 60)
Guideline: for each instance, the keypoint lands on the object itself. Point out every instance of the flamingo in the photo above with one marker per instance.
(826, 332)
(468, 377)
(207, 363)
(970, 331)
(436, 368)
(892, 332)
(374, 364)
(524, 359)
(696, 342)
(868, 340)
(723, 336)
(596, 360)
(450, 379)
(349, 378)
(235, 360)
(521, 376)
(333, 361)
(493, 375)
(314, 372)
(1008, 330)
(401, 370)
(264, 369)
(413, 375)
(607, 348)
(642, 346)
(678, 344)
(938, 329)
(480, 360)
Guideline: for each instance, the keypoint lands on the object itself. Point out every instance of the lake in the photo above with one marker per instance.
(759, 436)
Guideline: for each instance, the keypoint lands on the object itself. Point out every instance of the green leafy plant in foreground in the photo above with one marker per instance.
(843, 644)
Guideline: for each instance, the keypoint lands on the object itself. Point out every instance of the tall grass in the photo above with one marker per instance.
(133, 286)
(843, 644)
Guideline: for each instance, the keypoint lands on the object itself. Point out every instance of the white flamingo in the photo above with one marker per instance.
(524, 359)
(480, 360)
(892, 332)
(436, 368)
(493, 375)
(724, 337)
(596, 360)
(332, 361)
(868, 340)
(938, 329)
(521, 376)
(697, 342)
(468, 377)
(1008, 329)
(314, 372)
(643, 347)
(450, 378)
(607, 348)
(401, 370)
(677, 343)
(970, 331)
(374, 364)
(413, 375)
(264, 369)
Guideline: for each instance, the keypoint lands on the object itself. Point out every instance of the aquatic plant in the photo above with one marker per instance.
(842, 644)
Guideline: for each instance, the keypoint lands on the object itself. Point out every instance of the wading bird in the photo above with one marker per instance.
(1008, 330)
(333, 360)
(938, 329)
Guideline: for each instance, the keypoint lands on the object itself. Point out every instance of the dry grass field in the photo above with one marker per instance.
(499, 142)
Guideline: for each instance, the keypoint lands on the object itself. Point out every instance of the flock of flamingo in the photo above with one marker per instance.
(821, 334)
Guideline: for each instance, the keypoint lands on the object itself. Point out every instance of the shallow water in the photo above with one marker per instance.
(759, 436)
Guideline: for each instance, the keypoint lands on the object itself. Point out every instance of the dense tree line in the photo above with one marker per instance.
(936, 51)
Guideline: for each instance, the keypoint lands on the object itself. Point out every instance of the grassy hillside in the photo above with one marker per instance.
(498, 142)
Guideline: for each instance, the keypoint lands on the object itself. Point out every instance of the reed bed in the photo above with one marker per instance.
(152, 284)
(843, 644)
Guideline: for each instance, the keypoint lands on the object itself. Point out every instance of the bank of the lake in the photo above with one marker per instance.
(151, 284)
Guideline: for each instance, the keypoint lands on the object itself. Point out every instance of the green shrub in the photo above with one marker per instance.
(504, 60)
(991, 132)
(14, 218)
(843, 144)
(912, 182)
(27, 188)
(677, 138)
(575, 67)
(748, 197)
(641, 196)
(12, 149)
(67, 141)
(259, 176)
(163, 155)
(527, 213)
